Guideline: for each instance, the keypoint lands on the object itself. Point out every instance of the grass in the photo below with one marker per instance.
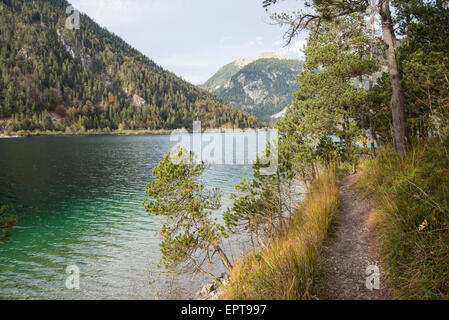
(411, 195)
(290, 267)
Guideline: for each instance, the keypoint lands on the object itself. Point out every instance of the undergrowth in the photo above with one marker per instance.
(412, 198)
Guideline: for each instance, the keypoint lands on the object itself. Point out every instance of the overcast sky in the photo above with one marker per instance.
(193, 38)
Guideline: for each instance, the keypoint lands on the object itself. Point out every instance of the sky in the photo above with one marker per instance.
(194, 38)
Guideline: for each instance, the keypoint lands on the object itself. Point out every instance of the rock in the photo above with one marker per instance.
(224, 279)
(207, 289)
(260, 86)
(211, 291)
(225, 282)
(139, 101)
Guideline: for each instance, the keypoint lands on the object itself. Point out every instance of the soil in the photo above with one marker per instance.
(353, 247)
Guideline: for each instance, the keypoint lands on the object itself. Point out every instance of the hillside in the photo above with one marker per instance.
(53, 78)
(261, 87)
(222, 77)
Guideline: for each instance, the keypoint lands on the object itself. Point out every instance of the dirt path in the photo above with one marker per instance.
(352, 248)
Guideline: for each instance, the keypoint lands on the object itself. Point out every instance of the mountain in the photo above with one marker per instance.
(53, 78)
(222, 77)
(262, 87)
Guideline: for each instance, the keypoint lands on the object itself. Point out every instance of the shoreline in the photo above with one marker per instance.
(9, 137)
(24, 134)
(72, 134)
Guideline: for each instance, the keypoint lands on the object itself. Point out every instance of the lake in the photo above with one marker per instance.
(79, 202)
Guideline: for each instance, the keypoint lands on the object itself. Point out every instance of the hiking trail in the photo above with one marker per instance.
(353, 246)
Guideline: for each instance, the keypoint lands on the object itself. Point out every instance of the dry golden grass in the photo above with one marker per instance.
(288, 267)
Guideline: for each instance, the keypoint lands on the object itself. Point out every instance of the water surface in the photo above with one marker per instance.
(78, 200)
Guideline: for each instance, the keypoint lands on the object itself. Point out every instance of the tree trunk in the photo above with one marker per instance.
(347, 138)
(224, 258)
(280, 207)
(372, 133)
(362, 118)
(397, 98)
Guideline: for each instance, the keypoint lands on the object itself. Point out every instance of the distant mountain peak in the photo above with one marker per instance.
(271, 55)
(243, 61)
(261, 86)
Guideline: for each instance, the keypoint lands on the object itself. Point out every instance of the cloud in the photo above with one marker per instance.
(224, 40)
(257, 41)
(186, 61)
(196, 79)
(194, 69)
(294, 51)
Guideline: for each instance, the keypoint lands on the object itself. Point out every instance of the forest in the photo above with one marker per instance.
(56, 79)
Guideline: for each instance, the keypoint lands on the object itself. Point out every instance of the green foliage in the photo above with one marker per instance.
(425, 66)
(221, 77)
(7, 223)
(190, 234)
(330, 113)
(262, 205)
(322, 124)
(412, 195)
(52, 78)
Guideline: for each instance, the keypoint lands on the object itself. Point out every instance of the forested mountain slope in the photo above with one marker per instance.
(53, 78)
(262, 87)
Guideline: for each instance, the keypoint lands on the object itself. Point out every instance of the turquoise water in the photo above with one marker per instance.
(78, 200)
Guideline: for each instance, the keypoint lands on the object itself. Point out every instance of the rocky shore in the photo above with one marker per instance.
(2, 136)
(214, 289)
